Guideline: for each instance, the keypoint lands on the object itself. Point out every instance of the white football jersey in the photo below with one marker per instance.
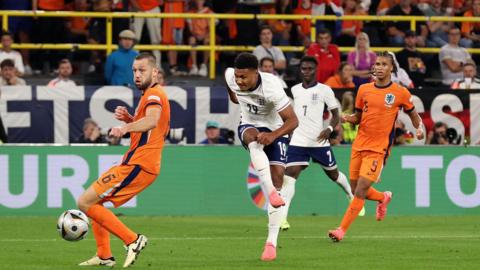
(309, 106)
(260, 107)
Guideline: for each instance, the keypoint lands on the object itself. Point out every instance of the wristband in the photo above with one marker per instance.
(331, 128)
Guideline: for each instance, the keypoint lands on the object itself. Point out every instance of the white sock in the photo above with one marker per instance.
(261, 165)
(288, 190)
(343, 183)
(275, 217)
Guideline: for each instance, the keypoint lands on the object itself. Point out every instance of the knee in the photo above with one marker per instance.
(82, 204)
(277, 181)
(333, 175)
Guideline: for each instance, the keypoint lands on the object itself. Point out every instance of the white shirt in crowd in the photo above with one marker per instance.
(16, 57)
(309, 104)
(260, 107)
(458, 54)
(274, 52)
(58, 82)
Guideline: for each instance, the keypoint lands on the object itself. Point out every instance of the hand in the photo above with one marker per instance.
(122, 114)
(420, 135)
(347, 119)
(118, 131)
(265, 138)
(324, 135)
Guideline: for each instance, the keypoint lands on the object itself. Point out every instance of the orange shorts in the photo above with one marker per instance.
(120, 183)
(366, 164)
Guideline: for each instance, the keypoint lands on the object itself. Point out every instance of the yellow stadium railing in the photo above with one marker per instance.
(213, 47)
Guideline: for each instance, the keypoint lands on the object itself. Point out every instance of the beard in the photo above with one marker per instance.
(143, 86)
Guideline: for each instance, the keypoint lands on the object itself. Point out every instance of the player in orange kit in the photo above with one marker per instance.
(377, 105)
(139, 168)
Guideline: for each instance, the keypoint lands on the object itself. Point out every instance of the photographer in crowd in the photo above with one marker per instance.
(441, 134)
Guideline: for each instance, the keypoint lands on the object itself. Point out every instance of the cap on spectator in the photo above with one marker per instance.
(410, 33)
(212, 124)
(127, 34)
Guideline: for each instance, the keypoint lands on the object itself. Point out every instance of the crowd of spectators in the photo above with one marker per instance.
(451, 37)
(454, 66)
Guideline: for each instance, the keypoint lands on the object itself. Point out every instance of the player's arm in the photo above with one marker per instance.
(232, 96)
(325, 134)
(417, 123)
(353, 118)
(150, 121)
(290, 122)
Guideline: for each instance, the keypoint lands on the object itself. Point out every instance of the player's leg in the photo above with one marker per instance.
(115, 185)
(369, 173)
(371, 169)
(355, 165)
(104, 253)
(276, 154)
(248, 135)
(288, 190)
(89, 203)
(275, 217)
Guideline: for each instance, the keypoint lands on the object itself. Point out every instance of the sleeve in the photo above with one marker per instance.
(310, 50)
(444, 54)
(407, 102)
(279, 54)
(359, 99)
(330, 99)
(154, 98)
(109, 69)
(257, 52)
(278, 96)
(336, 56)
(19, 63)
(229, 74)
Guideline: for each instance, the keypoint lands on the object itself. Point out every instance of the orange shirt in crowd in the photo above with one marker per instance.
(380, 106)
(335, 82)
(169, 24)
(51, 4)
(357, 25)
(305, 24)
(200, 27)
(148, 4)
(469, 27)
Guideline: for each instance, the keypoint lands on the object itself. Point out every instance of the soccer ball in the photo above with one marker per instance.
(72, 225)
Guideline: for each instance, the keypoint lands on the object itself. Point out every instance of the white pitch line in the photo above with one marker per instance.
(472, 237)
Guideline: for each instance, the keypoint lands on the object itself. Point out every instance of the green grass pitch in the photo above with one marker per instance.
(398, 242)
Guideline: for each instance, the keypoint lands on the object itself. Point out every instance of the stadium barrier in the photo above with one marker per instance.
(217, 180)
(39, 114)
(213, 47)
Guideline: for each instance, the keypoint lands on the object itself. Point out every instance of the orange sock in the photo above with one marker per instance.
(102, 237)
(352, 212)
(111, 223)
(374, 195)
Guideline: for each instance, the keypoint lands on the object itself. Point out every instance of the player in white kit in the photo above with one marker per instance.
(266, 116)
(310, 138)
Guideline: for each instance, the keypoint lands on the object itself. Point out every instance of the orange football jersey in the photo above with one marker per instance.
(146, 147)
(380, 106)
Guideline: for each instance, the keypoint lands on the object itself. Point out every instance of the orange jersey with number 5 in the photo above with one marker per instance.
(146, 147)
(379, 106)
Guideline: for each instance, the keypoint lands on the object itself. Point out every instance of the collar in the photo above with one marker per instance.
(259, 82)
(155, 84)
(383, 87)
(312, 84)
